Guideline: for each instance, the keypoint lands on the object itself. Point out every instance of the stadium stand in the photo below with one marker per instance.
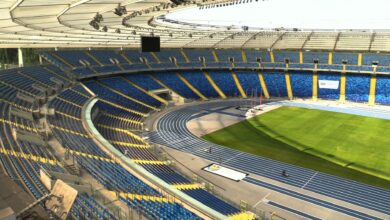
(276, 84)
(302, 84)
(225, 82)
(198, 80)
(83, 104)
(194, 55)
(172, 80)
(356, 85)
(281, 56)
(253, 55)
(225, 55)
(124, 102)
(250, 82)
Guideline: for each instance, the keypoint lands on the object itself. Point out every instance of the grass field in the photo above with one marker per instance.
(344, 145)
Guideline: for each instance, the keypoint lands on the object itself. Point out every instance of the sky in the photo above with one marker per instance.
(302, 14)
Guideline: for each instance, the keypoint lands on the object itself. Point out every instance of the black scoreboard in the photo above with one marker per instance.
(150, 44)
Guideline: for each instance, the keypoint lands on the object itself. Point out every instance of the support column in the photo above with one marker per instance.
(244, 57)
(343, 79)
(191, 87)
(360, 59)
(330, 58)
(214, 85)
(371, 96)
(263, 85)
(185, 56)
(315, 86)
(300, 57)
(271, 55)
(238, 85)
(288, 85)
(215, 55)
(20, 57)
(154, 55)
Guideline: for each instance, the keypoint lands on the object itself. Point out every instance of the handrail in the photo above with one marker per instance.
(252, 66)
(140, 170)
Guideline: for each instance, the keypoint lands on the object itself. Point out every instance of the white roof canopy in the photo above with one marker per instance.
(65, 23)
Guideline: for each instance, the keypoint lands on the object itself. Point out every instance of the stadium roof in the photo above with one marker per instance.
(65, 23)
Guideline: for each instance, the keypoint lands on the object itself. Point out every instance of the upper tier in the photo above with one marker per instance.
(84, 64)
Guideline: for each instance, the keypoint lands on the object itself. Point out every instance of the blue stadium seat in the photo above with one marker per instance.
(225, 82)
(276, 84)
(301, 84)
(199, 81)
(280, 56)
(357, 87)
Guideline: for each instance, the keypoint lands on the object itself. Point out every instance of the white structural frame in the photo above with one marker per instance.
(65, 24)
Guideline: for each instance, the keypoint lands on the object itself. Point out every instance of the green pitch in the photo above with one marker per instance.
(344, 145)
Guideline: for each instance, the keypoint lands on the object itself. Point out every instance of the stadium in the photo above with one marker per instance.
(203, 109)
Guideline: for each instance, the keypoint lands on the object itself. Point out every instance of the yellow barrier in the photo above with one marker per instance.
(191, 87)
(185, 56)
(263, 85)
(238, 84)
(93, 58)
(242, 216)
(126, 96)
(73, 90)
(56, 74)
(187, 186)
(16, 105)
(154, 55)
(28, 156)
(214, 85)
(69, 116)
(18, 125)
(126, 58)
(78, 153)
(69, 102)
(142, 197)
(18, 89)
(216, 58)
(126, 144)
(123, 131)
(165, 102)
(122, 119)
(62, 60)
(154, 162)
(69, 131)
(121, 107)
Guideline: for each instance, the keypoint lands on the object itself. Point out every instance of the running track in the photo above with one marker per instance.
(172, 131)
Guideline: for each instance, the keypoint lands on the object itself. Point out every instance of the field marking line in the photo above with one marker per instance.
(232, 158)
(309, 179)
(262, 199)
